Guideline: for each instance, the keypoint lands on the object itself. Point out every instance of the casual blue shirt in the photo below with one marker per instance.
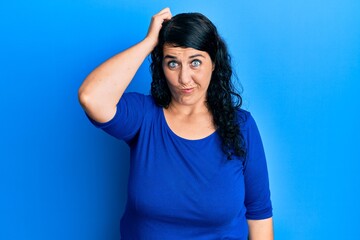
(187, 189)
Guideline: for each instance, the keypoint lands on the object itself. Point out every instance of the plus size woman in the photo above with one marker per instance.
(197, 164)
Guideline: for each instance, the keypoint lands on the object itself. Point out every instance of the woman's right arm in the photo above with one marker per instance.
(104, 86)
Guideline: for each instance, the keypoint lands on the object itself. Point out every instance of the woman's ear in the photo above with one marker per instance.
(213, 66)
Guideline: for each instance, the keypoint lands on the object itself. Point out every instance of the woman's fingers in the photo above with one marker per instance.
(156, 24)
(164, 10)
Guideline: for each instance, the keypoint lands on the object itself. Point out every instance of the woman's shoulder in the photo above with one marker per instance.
(137, 95)
(140, 98)
(245, 119)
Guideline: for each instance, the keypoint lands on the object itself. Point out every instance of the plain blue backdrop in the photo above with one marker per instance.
(299, 64)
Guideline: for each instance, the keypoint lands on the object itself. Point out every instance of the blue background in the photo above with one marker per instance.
(298, 61)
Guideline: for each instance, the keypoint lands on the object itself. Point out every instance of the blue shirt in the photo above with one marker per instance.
(187, 189)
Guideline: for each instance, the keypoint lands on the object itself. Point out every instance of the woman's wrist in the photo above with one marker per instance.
(149, 43)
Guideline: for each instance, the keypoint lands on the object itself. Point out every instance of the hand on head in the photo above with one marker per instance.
(156, 24)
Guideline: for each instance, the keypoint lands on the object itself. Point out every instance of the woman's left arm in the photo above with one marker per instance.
(261, 229)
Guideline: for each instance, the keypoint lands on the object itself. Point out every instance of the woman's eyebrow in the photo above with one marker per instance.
(169, 56)
(197, 55)
(192, 56)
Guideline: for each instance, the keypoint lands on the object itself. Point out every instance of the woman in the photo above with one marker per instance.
(197, 169)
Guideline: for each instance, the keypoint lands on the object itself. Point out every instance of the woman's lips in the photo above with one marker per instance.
(187, 90)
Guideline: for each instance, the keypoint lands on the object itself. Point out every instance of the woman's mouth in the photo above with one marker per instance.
(187, 90)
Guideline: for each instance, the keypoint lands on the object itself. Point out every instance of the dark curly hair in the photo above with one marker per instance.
(196, 31)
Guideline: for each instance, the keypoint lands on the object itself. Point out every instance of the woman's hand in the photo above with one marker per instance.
(102, 89)
(156, 24)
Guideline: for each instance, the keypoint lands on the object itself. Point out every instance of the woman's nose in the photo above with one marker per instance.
(184, 76)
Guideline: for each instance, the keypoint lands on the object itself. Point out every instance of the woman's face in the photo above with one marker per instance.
(188, 73)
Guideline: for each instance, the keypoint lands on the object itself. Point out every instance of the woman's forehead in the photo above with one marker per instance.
(182, 51)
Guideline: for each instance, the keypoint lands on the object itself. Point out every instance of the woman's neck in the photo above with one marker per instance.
(187, 110)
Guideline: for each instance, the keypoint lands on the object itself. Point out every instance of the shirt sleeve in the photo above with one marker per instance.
(257, 192)
(128, 118)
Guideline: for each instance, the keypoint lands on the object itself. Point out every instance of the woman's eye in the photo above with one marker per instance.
(172, 64)
(195, 63)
